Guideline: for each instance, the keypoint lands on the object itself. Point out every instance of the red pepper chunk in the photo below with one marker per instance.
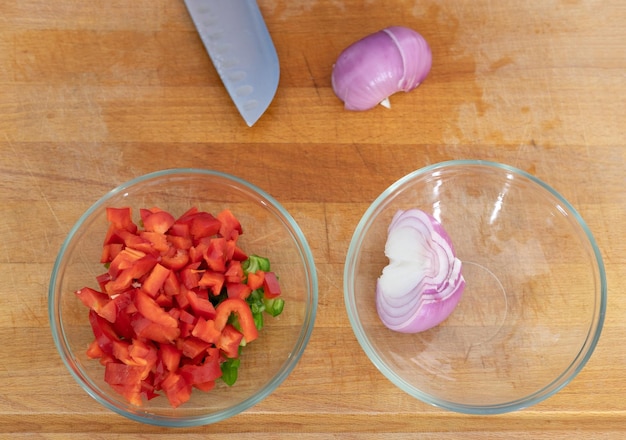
(242, 309)
(203, 225)
(255, 279)
(97, 301)
(271, 288)
(120, 218)
(229, 341)
(155, 280)
(159, 221)
(206, 330)
(230, 228)
(151, 310)
(125, 379)
(238, 290)
(176, 388)
(199, 375)
(212, 280)
(103, 331)
(170, 356)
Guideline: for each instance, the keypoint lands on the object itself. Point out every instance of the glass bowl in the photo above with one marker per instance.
(535, 297)
(269, 231)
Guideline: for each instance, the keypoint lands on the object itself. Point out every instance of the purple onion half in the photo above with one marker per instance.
(423, 283)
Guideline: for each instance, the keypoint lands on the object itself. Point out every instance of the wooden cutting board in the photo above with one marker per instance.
(95, 93)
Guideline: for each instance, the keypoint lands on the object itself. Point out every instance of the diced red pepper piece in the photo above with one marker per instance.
(146, 212)
(178, 259)
(180, 230)
(193, 347)
(121, 218)
(271, 288)
(230, 228)
(149, 308)
(125, 379)
(206, 330)
(94, 351)
(148, 390)
(190, 275)
(182, 242)
(110, 251)
(212, 280)
(111, 236)
(106, 358)
(244, 314)
(187, 216)
(255, 280)
(234, 272)
(208, 371)
(126, 277)
(165, 301)
(123, 260)
(204, 224)
(215, 255)
(181, 300)
(103, 331)
(143, 354)
(229, 251)
(238, 290)
(201, 307)
(157, 240)
(176, 388)
(155, 280)
(160, 221)
(170, 356)
(134, 241)
(185, 329)
(102, 280)
(118, 307)
(96, 301)
(238, 254)
(229, 341)
(187, 317)
(197, 252)
(171, 286)
(121, 352)
(145, 328)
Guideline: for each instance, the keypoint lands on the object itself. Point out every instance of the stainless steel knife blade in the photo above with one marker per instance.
(242, 51)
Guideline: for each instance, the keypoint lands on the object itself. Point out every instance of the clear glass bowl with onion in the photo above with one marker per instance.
(268, 230)
(534, 299)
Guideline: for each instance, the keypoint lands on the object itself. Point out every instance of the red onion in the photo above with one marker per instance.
(422, 284)
(379, 65)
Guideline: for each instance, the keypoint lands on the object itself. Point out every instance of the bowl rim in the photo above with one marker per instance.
(560, 381)
(62, 345)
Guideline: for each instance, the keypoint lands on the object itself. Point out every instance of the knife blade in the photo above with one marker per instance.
(242, 51)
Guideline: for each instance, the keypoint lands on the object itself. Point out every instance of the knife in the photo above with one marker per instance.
(241, 49)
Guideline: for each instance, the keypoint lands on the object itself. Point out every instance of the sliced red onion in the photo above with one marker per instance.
(423, 283)
(379, 65)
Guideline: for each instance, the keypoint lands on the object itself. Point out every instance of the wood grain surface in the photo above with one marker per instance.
(94, 93)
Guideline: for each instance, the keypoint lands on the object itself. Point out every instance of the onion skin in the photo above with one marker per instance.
(372, 69)
(423, 282)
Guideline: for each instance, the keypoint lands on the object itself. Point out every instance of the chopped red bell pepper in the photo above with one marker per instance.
(229, 341)
(271, 288)
(155, 280)
(159, 221)
(174, 307)
(241, 308)
(230, 228)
